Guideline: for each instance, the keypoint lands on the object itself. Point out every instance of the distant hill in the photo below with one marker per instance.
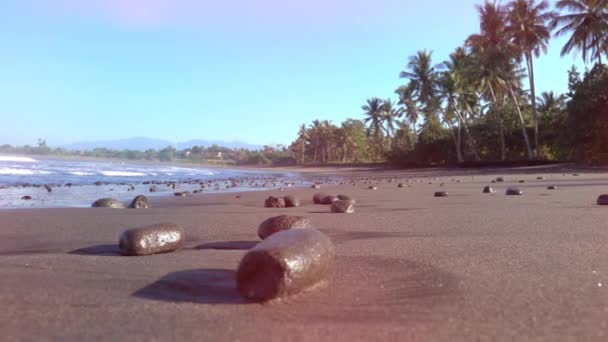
(144, 143)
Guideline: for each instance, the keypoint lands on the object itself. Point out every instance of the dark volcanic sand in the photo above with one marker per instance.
(409, 266)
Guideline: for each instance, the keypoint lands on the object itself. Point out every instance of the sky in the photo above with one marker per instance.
(247, 70)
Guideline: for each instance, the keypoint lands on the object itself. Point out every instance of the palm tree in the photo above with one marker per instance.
(530, 33)
(496, 72)
(390, 113)
(423, 78)
(587, 20)
(373, 110)
(408, 105)
(303, 137)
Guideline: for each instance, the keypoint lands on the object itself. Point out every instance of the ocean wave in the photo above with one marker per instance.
(22, 172)
(81, 173)
(122, 174)
(17, 159)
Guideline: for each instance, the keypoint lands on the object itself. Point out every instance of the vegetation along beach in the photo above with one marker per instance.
(172, 171)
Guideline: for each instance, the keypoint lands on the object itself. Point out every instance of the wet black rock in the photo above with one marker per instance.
(108, 203)
(343, 206)
(315, 186)
(158, 238)
(522, 181)
(318, 198)
(98, 183)
(346, 198)
(372, 187)
(441, 193)
(153, 189)
(274, 202)
(140, 202)
(284, 264)
(329, 199)
(540, 177)
(500, 179)
(552, 187)
(181, 194)
(401, 185)
(26, 198)
(291, 201)
(602, 199)
(282, 222)
(488, 190)
(513, 191)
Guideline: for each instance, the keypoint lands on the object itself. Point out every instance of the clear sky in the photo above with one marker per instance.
(249, 70)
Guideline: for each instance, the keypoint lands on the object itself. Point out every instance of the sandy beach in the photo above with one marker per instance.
(409, 266)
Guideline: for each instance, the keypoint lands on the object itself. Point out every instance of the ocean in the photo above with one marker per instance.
(77, 183)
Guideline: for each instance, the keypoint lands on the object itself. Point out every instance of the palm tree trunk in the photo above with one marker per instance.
(459, 142)
(530, 63)
(522, 124)
(501, 127)
(469, 136)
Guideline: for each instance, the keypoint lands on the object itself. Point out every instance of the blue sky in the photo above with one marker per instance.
(249, 70)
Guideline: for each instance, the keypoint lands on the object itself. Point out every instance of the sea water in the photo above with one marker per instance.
(73, 182)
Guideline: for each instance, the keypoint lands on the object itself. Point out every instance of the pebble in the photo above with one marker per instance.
(441, 193)
(500, 179)
(488, 190)
(284, 264)
(343, 207)
(139, 202)
(371, 187)
(283, 222)
(158, 238)
(108, 203)
(274, 202)
(513, 192)
(26, 198)
(602, 199)
(552, 187)
(291, 201)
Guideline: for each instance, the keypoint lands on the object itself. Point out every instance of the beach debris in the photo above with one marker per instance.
(488, 190)
(284, 264)
(291, 201)
(108, 203)
(158, 238)
(513, 191)
(26, 198)
(343, 206)
(441, 194)
(282, 222)
(274, 202)
(329, 199)
(140, 201)
(318, 198)
(602, 199)
(552, 187)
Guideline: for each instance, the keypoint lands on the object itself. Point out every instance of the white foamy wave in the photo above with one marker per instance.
(122, 174)
(22, 172)
(17, 159)
(81, 173)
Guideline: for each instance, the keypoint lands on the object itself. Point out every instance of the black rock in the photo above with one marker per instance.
(343, 206)
(26, 198)
(329, 199)
(499, 179)
(282, 222)
(153, 189)
(441, 193)
(108, 203)
(540, 177)
(513, 192)
(488, 190)
(346, 198)
(401, 185)
(522, 181)
(291, 201)
(182, 194)
(140, 201)
(602, 199)
(274, 202)
(371, 187)
(315, 186)
(158, 238)
(318, 198)
(552, 187)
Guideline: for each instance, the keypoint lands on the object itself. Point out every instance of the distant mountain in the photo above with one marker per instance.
(143, 143)
(207, 143)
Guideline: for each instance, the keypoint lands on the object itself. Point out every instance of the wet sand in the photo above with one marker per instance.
(409, 266)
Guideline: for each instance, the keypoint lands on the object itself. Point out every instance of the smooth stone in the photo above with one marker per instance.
(602, 199)
(108, 203)
(284, 264)
(26, 198)
(329, 199)
(181, 194)
(371, 187)
(400, 185)
(540, 177)
(158, 238)
(552, 187)
(343, 206)
(513, 192)
(522, 181)
(441, 194)
(488, 190)
(346, 198)
(153, 189)
(291, 201)
(315, 186)
(283, 222)
(500, 179)
(274, 202)
(318, 198)
(140, 201)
